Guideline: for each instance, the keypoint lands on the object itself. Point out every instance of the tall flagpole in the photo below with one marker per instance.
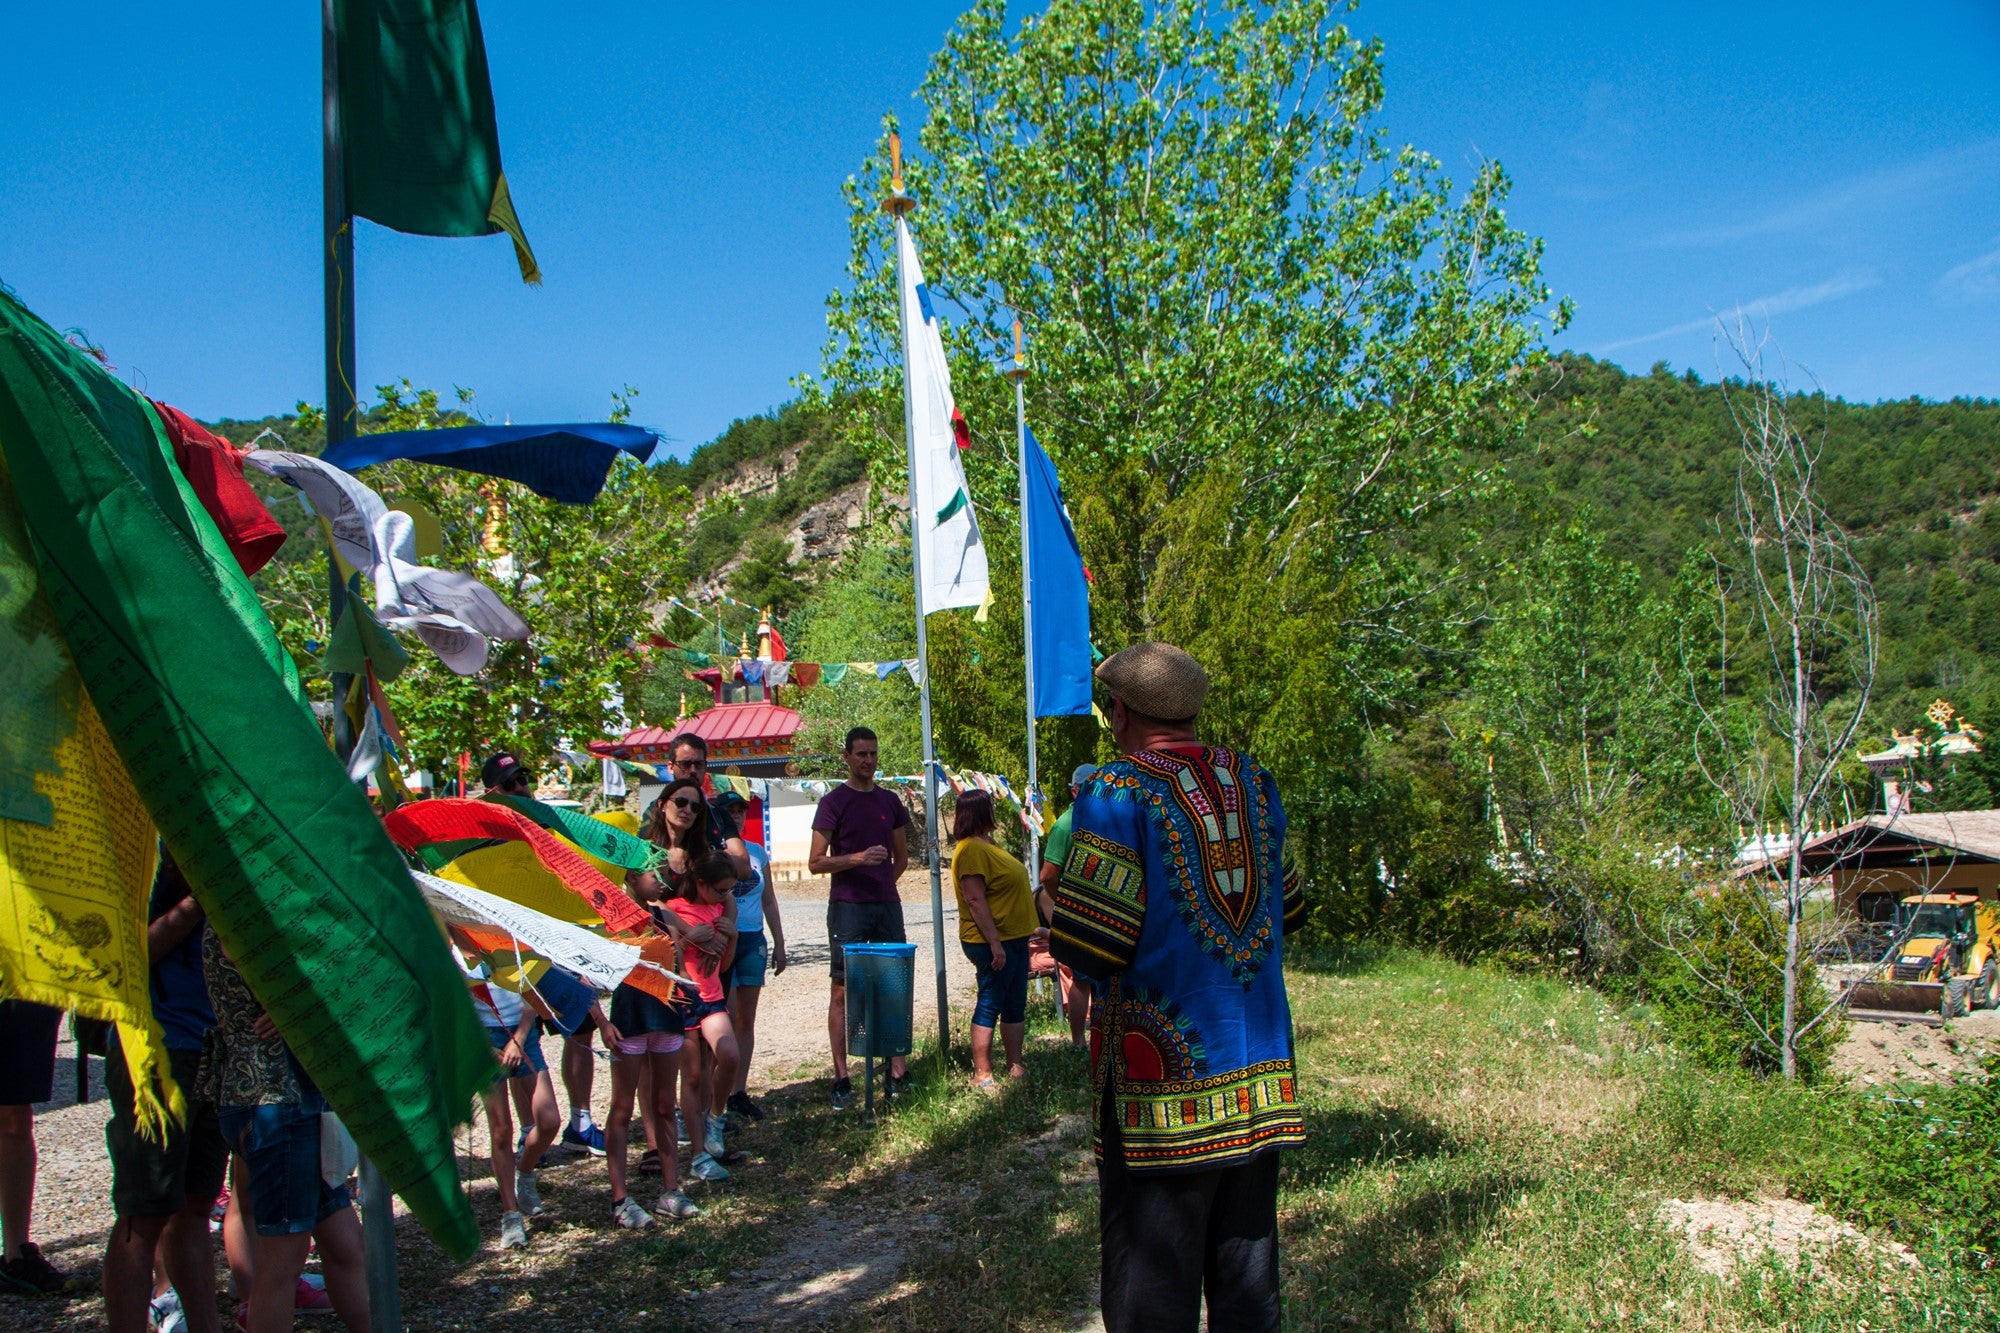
(1018, 372)
(378, 1209)
(898, 206)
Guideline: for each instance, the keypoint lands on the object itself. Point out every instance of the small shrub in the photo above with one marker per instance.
(1715, 968)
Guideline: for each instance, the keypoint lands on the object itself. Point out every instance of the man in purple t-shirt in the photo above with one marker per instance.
(860, 838)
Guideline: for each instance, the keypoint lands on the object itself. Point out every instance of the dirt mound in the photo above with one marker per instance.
(1873, 1053)
(1721, 1233)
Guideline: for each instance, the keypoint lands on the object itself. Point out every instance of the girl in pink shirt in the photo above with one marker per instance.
(709, 900)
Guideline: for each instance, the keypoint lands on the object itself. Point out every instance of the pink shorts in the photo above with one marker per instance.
(647, 1043)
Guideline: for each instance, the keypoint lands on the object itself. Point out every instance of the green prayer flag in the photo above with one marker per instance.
(603, 841)
(313, 902)
(953, 505)
(360, 640)
(418, 129)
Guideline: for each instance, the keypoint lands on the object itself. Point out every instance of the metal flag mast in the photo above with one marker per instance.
(898, 205)
(1018, 373)
(378, 1214)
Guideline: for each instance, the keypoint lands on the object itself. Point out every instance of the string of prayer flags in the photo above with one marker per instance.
(500, 850)
(602, 962)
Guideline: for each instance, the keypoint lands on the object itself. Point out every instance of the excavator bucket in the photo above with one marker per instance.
(1894, 1001)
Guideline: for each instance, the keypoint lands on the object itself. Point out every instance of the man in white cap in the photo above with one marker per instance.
(1175, 899)
(1075, 993)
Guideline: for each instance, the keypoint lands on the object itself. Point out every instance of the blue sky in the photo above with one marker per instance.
(1833, 168)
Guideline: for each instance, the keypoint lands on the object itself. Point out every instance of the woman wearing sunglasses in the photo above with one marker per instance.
(687, 829)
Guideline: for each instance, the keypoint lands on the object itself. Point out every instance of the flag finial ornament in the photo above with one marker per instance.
(897, 203)
(1019, 370)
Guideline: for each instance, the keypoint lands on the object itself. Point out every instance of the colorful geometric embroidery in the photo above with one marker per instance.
(1159, 1042)
(1100, 898)
(1209, 1120)
(1218, 840)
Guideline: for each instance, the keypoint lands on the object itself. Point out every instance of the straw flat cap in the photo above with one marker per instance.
(1156, 679)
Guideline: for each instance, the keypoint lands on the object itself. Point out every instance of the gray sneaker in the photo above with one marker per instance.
(528, 1193)
(680, 1129)
(627, 1213)
(513, 1232)
(707, 1168)
(711, 1140)
(676, 1205)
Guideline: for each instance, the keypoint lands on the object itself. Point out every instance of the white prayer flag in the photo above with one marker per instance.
(952, 555)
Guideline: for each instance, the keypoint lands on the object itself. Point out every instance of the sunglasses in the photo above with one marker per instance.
(684, 803)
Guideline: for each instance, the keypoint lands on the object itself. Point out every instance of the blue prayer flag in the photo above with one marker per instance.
(567, 464)
(1061, 594)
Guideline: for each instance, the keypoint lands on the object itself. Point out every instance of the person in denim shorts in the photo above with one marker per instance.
(269, 1112)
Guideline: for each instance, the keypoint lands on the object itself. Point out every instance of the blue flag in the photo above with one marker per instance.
(1061, 629)
(567, 464)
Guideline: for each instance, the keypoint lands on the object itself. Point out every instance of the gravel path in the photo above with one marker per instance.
(72, 1199)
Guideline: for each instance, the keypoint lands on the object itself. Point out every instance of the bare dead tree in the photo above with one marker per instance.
(1794, 584)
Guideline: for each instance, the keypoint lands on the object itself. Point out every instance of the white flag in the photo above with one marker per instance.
(614, 779)
(941, 517)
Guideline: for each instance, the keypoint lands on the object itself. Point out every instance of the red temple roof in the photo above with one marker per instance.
(737, 730)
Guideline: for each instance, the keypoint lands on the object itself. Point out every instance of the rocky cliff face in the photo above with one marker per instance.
(828, 530)
(819, 536)
(757, 476)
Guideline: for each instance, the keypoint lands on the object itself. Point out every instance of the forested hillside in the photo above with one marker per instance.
(1652, 458)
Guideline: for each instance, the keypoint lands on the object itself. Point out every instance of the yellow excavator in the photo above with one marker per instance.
(1945, 960)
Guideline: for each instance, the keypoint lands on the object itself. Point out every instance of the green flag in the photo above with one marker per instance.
(417, 123)
(311, 899)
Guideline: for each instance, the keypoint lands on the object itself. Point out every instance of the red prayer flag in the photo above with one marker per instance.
(214, 470)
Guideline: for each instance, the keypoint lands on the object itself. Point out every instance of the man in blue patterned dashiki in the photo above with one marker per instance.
(1175, 900)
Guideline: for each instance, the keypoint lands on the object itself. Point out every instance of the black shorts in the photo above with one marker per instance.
(635, 1012)
(151, 1179)
(860, 923)
(27, 1052)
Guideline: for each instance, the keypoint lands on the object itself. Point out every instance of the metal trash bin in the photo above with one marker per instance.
(881, 985)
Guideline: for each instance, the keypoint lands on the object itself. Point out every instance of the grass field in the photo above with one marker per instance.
(1486, 1152)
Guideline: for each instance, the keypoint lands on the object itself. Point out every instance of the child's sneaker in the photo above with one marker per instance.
(590, 1138)
(680, 1129)
(528, 1193)
(740, 1103)
(843, 1093)
(164, 1313)
(310, 1297)
(711, 1141)
(707, 1168)
(216, 1214)
(676, 1205)
(513, 1232)
(33, 1274)
(627, 1213)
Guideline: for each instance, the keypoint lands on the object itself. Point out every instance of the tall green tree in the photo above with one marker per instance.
(1263, 341)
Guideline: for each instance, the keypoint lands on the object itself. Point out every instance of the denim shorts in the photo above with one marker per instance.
(1003, 995)
(280, 1145)
(533, 1062)
(753, 956)
(698, 1009)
